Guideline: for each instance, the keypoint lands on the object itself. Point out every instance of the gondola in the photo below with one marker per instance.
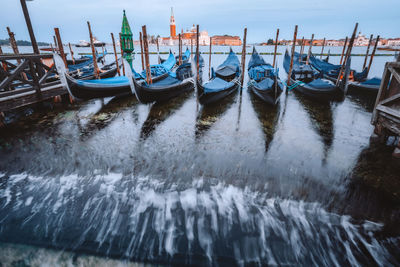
(331, 71)
(201, 61)
(85, 59)
(171, 86)
(368, 87)
(306, 81)
(264, 79)
(224, 81)
(159, 69)
(185, 57)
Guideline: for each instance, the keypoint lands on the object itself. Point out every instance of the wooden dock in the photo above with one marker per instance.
(386, 114)
(28, 82)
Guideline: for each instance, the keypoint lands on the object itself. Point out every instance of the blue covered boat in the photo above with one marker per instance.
(264, 79)
(369, 88)
(331, 71)
(224, 81)
(305, 81)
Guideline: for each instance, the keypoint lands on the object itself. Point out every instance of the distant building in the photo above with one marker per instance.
(187, 37)
(393, 42)
(226, 40)
(361, 40)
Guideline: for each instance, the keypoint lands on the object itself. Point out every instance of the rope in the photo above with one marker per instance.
(291, 87)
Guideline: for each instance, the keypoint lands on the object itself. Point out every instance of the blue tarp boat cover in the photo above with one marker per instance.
(373, 81)
(255, 60)
(231, 60)
(216, 85)
(265, 84)
(119, 80)
(164, 82)
(321, 84)
(186, 55)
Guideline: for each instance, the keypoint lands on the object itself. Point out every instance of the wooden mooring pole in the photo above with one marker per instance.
(158, 51)
(180, 49)
(292, 55)
(348, 53)
(122, 53)
(72, 53)
(276, 47)
(309, 49)
(301, 49)
(29, 26)
(366, 53)
(55, 44)
(13, 43)
(141, 49)
(243, 56)
(60, 46)
(344, 49)
(146, 55)
(96, 68)
(115, 53)
(323, 46)
(197, 52)
(209, 60)
(373, 54)
(4, 65)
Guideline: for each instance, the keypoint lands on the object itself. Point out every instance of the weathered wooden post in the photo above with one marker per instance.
(96, 68)
(191, 44)
(122, 53)
(13, 43)
(197, 52)
(60, 46)
(309, 49)
(302, 44)
(4, 65)
(366, 54)
(72, 53)
(348, 54)
(344, 49)
(141, 49)
(373, 54)
(276, 47)
(127, 39)
(146, 55)
(180, 49)
(243, 56)
(292, 55)
(55, 43)
(158, 51)
(30, 29)
(323, 46)
(115, 53)
(209, 60)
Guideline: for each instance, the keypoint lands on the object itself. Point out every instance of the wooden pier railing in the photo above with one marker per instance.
(386, 114)
(28, 82)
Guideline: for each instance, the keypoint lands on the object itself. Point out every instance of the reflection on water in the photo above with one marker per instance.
(235, 183)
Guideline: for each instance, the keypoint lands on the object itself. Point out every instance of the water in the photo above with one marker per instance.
(235, 184)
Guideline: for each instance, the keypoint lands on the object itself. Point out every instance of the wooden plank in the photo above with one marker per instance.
(292, 55)
(382, 91)
(16, 72)
(388, 110)
(44, 77)
(25, 56)
(394, 73)
(390, 99)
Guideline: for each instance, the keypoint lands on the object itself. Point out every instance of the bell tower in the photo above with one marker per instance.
(172, 26)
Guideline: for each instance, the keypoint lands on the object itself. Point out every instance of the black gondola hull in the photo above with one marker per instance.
(210, 98)
(268, 96)
(147, 94)
(322, 95)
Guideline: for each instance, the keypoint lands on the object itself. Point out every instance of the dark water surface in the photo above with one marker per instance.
(176, 183)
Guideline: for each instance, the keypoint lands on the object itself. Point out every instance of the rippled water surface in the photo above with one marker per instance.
(237, 183)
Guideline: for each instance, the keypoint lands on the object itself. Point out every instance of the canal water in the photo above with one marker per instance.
(113, 181)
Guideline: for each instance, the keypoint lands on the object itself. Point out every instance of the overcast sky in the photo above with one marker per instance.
(326, 18)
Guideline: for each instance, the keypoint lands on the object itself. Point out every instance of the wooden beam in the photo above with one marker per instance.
(344, 49)
(146, 54)
(30, 29)
(323, 46)
(373, 54)
(309, 49)
(72, 53)
(348, 54)
(243, 56)
(141, 49)
(209, 60)
(96, 67)
(292, 55)
(60, 46)
(13, 43)
(16, 72)
(366, 53)
(197, 52)
(276, 47)
(115, 53)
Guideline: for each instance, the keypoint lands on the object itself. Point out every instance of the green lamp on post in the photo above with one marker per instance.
(126, 40)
